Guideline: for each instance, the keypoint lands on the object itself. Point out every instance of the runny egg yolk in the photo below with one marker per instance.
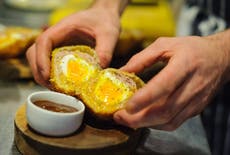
(110, 90)
(75, 69)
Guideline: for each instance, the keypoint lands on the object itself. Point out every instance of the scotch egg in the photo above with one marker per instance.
(75, 71)
(71, 68)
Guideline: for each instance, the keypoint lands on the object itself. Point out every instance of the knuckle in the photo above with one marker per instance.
(165, 117)
(169, 127)
(104, 59)
(197, 112)
(134, 123)
(194, 111)
(131, 124)
(158, 115)
(39, 38)
(161, 40)
(37, 79)
(165, 88)
(42, 38)
(165, 114)
(137, 122)
(28, 53)
(115, 31)
(39, 66)
(134, 58)
(111, 31)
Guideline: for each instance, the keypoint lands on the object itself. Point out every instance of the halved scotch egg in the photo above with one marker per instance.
(109, 91)
(72, 67)
(75, 70)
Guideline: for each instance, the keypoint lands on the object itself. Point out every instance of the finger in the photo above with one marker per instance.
(131, 120)
(192, 109)
(43, 50)
(170, 114)
(160, 86)
(31, 57)
(195, 101)
(194, 89)
(43, 47)
(79, 36)
(159, 50)
(143, 118)
(105, 44)
(163, 112)
(162, 117)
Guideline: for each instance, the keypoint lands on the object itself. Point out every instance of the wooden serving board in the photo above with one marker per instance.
(87, 140)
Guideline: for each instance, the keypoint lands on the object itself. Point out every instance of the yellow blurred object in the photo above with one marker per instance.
(142, 21)
(15, 40)
(152, 20)
(70, 7)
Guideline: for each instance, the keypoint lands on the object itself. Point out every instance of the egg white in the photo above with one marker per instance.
(64, 63)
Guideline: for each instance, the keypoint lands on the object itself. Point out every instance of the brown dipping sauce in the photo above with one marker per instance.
(51, 106)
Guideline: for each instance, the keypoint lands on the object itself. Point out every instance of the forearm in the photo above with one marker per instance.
(223, 41)
(115, 6)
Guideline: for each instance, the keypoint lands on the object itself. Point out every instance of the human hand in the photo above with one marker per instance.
(95, 27)
(196, 68)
